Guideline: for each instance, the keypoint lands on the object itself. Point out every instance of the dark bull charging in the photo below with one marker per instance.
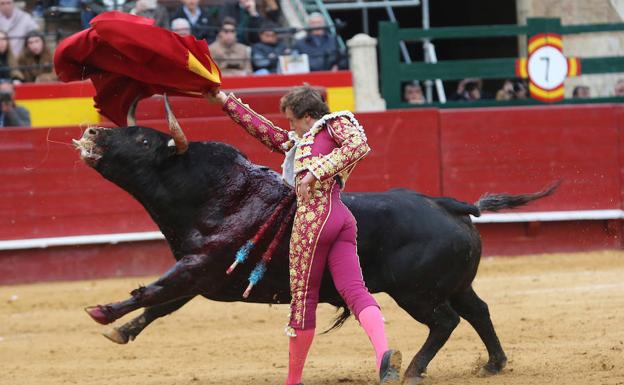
(208, 199)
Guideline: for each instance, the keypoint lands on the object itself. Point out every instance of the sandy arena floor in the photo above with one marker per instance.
(560, 319)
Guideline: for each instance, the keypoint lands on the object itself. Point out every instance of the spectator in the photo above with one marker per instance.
(90, 9)
(320, 46)
(46, 77)
(203, 22)
(36, 61)
(269, 10)
(521, 89)
(618, 90)
(506, 92)
(16, 23)
(231, 56)
(413, 93)
(148, 8)
(247, 18)
(8, 63)
(512, 89)
(181, 26)
(265, 54)
(11, 115)
(580, 92)
(468, 90)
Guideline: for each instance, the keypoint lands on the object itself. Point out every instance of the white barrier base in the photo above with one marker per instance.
(543, 216)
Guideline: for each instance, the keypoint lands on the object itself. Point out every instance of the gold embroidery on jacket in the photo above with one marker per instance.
(309, 222)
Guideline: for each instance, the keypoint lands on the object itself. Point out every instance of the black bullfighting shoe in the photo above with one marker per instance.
(390, 370)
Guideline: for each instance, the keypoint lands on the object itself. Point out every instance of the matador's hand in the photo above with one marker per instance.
(306, 188)
(216, 96)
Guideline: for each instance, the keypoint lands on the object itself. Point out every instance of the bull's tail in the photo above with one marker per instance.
(496, 202)
(340, 318)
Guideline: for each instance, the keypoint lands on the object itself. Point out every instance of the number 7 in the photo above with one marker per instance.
(547, 65)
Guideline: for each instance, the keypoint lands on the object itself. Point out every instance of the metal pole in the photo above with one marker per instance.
(426, 25)
(425, 10)
(439, 87)
(404, 51)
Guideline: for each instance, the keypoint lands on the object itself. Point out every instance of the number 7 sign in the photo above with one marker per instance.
(547, 67)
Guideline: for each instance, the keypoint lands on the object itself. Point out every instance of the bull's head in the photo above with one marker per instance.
(130, 148)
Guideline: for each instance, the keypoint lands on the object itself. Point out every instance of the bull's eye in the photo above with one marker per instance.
(145, 142)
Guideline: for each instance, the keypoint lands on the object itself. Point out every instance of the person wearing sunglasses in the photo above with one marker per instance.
(232, 57)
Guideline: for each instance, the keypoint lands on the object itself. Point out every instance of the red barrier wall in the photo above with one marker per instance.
(519, 149)
(48, 192)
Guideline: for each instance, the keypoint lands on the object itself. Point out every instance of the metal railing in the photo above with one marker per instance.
(394, 72)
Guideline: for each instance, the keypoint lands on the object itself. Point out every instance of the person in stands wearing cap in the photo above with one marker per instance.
(265, 54)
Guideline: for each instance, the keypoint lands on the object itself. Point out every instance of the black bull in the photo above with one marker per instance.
(208, 199)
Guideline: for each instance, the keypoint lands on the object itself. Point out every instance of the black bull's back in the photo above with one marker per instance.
(408, 241)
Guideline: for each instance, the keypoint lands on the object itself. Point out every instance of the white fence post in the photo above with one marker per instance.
(363, 64)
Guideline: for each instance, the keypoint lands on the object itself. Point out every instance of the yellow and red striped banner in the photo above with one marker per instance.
(69, 104)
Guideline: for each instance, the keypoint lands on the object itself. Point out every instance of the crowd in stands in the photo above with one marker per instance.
(245, 36)
(471, 89)
(24, 55)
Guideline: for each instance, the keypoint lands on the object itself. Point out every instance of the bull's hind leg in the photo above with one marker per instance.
(188, 277)
(474, 310)
(441, 320)
(130, 330)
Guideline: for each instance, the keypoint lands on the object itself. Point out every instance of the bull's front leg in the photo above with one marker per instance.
(131, 329)
(191, 275)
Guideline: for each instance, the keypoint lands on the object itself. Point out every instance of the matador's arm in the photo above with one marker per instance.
(275, 138)
(352, 147)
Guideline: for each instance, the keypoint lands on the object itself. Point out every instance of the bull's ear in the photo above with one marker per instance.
(171, 147)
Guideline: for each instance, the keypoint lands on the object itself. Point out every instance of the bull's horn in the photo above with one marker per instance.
(176, 131)
(131, 118)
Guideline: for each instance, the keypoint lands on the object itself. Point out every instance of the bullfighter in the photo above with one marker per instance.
(321, 151)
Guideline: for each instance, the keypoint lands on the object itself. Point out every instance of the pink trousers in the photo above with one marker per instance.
(337, 249)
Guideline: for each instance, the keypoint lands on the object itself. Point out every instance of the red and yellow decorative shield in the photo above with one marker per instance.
(547, 67)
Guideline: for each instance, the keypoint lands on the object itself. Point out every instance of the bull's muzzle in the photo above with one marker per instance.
(90, 152)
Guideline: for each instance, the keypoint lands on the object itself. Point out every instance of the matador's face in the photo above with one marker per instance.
(299, 125)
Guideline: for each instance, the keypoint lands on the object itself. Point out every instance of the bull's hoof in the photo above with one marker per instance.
(390, 371)
(492, 368)
(116, 336)
(414, 380)
(99, 314)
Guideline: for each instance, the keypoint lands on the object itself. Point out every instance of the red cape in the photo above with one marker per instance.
(128, 58)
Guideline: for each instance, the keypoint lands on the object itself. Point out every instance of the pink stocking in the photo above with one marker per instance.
(373, 324)
(298, 352)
